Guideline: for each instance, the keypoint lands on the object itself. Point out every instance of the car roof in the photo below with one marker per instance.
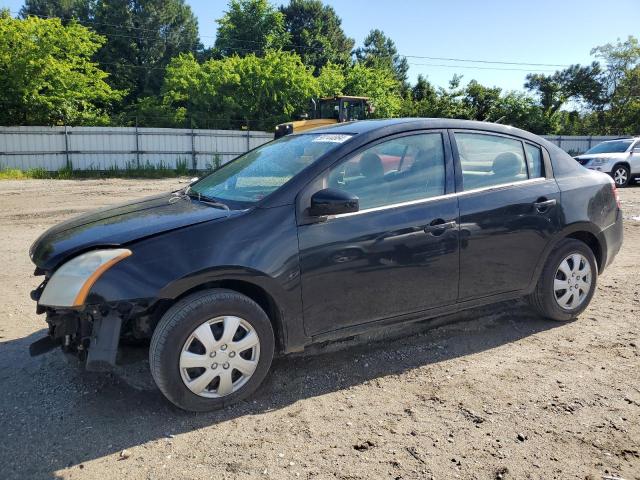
(621, 138)
(370, 126)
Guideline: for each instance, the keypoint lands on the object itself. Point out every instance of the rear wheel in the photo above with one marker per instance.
(211, 349)
(621, 175)
(567, 282)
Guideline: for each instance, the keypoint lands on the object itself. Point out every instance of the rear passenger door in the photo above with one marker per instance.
(509, 210)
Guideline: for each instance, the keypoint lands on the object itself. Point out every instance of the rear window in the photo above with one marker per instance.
(488, 160)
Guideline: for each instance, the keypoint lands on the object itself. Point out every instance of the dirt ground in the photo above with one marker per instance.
(498, 393)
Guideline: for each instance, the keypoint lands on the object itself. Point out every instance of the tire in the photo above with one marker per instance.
(544, 299)
(621, 175)
(178, 335)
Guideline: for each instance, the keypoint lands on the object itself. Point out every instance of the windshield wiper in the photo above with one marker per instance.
(208, 200)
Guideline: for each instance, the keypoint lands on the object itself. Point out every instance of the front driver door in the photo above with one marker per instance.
(399, 253)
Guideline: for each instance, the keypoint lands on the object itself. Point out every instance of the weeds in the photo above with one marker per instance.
(131, 169)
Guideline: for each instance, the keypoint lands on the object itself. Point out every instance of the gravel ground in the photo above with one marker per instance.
(496, 392)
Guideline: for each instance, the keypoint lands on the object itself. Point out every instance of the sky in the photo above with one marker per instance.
(555, 32)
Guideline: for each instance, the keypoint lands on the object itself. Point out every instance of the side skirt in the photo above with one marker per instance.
(414, 317)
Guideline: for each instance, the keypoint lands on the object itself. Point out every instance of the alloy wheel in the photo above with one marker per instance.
(620, 176)
(219, 356)
(572, 282)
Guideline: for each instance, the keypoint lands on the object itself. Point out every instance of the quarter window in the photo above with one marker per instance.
(534, 161)
(399, 170)
(489, 160)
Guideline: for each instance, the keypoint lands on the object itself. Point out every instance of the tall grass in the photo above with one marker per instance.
(130, 170)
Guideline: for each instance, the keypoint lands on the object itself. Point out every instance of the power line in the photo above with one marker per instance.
(478, 68)
(320, 49)
(487, 61)
(92, 23)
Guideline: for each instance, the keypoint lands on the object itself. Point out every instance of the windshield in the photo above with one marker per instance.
(617, 146)
(254, 175)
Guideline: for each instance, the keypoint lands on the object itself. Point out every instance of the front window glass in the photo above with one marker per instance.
(399, 170)
(488, 160)
(253, 176)
(329, 109)
(616, 146)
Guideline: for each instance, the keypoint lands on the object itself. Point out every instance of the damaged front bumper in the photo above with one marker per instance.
(91, 335)
(92, 332)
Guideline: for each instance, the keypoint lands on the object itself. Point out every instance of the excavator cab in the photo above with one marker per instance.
(327, 111)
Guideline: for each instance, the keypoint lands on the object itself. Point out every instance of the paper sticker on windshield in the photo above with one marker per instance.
(332, 138)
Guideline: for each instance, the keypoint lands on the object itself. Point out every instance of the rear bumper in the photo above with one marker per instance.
(612, 238)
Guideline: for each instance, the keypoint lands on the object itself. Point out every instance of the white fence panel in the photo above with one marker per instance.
(575, 144)
(101, 148)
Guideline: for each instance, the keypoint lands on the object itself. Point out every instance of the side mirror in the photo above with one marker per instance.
(332, 201)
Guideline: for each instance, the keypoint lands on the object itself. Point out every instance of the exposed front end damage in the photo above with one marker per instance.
(92, 332)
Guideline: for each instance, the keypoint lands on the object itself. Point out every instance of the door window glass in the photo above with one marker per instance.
(399, 170)
(488, 160)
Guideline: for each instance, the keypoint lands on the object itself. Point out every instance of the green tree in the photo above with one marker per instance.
(448, 102)
(576, 83)
(331, 81)
(549, 90)
(619, 59)
(624, 115)
(316, 33)
(234, 91)
(47, 76)
(143, 37)
(250, 26)
(519, 110)
(81, 10)
(481, 100)
(380, 84)
(379, 51)
(422, 90)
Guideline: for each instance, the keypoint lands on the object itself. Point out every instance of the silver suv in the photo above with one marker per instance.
(619, 158)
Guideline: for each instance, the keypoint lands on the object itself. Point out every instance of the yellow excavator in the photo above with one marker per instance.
(338, 109)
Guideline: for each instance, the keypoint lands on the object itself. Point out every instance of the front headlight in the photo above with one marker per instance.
(70, 284)
(598, 162)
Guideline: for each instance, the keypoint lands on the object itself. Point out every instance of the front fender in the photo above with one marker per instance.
(168, 266)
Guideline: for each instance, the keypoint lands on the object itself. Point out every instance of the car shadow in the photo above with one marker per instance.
(55, 415)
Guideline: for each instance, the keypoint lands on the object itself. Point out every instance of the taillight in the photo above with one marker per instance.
(615, 192)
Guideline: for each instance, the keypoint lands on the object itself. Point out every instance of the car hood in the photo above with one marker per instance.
(119, 225)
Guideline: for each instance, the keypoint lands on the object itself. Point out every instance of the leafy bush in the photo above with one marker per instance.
(37, 172)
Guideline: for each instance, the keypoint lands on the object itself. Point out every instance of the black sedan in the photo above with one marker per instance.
(321, 235)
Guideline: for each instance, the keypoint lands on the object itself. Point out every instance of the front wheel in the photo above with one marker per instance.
(211, 349)
(567, 282)
(621, 175)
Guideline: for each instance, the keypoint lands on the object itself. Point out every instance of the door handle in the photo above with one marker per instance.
(543, 205)
(438, 227)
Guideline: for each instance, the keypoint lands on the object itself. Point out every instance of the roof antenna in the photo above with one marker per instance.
(497, 121)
